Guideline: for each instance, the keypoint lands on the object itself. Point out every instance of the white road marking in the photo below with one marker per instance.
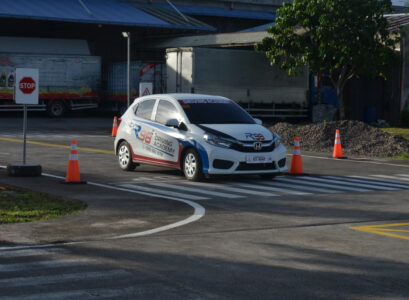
(198, 213)
(321, 184)
(371, 183)
(232, 189)
(196, 190)
(33, 252)
(299, 187)
(58, 278)
(162, 192)
(269, 188)
(391, 177)
(42, 264)
(353, 161)
(395, 183)
(404, 175)
(343, 182)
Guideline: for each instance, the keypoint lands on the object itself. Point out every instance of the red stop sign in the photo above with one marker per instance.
(27, 85)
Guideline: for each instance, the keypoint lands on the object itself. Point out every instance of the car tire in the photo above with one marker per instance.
(125, 157)
(192, 165)
(56, 108)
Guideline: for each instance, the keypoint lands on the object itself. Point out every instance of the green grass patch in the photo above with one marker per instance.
(397, 131)
(403, 156)
(18, 205)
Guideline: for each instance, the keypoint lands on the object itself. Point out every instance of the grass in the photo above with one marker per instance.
(18, 205)
(399, 131)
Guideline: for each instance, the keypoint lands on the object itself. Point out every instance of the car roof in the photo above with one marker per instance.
(182, 96)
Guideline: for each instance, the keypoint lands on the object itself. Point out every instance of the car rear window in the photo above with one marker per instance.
(215, 111)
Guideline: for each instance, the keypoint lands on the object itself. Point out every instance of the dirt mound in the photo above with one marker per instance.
(357, 138)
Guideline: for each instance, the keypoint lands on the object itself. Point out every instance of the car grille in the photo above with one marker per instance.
(267, 146)
(256, 167)
(222, 164)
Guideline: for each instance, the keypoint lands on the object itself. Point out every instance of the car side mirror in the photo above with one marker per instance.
(173, 123)
(258, 121)
(176, 124)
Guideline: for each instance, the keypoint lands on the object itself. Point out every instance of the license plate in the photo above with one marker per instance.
(258, 159)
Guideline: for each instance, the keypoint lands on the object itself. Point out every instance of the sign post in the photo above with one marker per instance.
(25, 92)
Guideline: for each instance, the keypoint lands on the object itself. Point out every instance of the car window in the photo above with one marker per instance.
(144, 109)
(166, 111)
(215, 111)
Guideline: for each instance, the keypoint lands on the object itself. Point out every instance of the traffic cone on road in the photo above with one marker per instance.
(337, 146)
(73, 170)
(115, 126)
(296, 162)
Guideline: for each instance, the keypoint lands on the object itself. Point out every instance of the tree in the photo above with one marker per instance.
(342, 38)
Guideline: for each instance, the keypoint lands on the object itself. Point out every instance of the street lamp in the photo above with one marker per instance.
(127, 35)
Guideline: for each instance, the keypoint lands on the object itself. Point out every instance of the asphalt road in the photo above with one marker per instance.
(149, 234)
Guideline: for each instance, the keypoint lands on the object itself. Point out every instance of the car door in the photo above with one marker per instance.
(165, 139)
(143, 129)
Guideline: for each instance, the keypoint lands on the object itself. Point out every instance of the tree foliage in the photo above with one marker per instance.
(343, 38)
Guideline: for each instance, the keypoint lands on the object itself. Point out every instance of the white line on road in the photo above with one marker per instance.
(231, 189)
(195, 190)
(269, 188)
(395, 183)
(162, 192)
(321, 184)
(343, 182)
(391, 177)
(198, 213)
(301, 187)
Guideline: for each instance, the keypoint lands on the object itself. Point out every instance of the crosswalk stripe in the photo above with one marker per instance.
(298, 187)
(270, 188)
(372, 184)
(391, 177)
(232, 189)
(49, 279)
(196, 190)
(404, 185)
(343, 182)
(41, 264)
(404, 175)
(321, 184)
(161, 192)
(32, 252)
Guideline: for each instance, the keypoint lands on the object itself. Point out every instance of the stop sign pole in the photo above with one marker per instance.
(25, 92)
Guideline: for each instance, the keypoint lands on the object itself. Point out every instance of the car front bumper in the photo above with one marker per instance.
(225, 161)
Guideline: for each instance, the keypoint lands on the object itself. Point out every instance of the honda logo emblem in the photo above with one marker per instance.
(257, 146)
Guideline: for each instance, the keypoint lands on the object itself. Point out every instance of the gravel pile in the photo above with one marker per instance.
(357, 138)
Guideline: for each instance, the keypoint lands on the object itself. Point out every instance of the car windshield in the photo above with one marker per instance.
(202, 111)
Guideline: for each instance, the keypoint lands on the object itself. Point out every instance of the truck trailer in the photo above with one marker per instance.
(244, 76)
(69, 77)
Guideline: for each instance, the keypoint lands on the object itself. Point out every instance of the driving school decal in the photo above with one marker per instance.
(156, 143)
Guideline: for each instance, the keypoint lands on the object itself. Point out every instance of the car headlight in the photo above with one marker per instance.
(276, 140)
(217, 141)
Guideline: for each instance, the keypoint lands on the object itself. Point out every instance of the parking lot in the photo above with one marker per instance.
(341, 230)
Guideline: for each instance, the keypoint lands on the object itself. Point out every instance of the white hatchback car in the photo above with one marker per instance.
(199, 134)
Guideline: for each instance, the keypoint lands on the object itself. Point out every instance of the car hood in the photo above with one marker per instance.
(241, 132)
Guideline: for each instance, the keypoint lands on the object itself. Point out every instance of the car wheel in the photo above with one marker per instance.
(192, 165)
(125, 157)
(56, 109)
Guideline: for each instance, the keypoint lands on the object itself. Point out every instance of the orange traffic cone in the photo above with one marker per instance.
(73, 170)
(296, 162)
(337, 146)
(115, 127)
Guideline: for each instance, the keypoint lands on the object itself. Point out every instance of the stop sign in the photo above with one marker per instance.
(27, 85)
